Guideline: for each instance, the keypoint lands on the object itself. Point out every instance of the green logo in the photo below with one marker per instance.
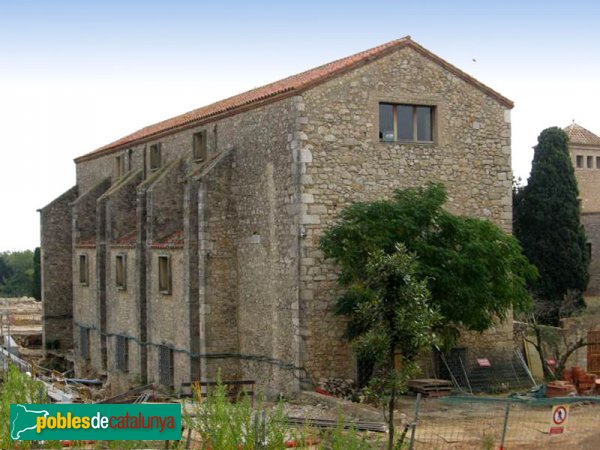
(94, 421)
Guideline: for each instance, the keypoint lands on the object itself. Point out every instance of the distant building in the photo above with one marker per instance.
(585, 153)
(191, 245)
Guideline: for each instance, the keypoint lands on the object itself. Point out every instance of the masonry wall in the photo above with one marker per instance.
(85, 313)
(264, 188)
(168, 318)
(591, 223)
(588, 178)
(218, 286)
(470, 155)
(56, 256)
(123, 319)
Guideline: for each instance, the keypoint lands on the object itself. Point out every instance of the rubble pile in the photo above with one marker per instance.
(338, 387)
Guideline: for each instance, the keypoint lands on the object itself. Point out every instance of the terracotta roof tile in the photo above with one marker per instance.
(128, 240)
(280, 89)
(86, 243)
(579, 135)
(174, 240)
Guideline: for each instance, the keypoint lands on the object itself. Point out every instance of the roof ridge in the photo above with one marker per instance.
(280, 89)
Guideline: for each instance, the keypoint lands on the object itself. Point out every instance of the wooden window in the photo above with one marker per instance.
(83, 270)
(155, 156)
(164, 274)
(122, 353)
(119, 166)
(406, 123)
(199, 146)
(121, 272)
(579, 161)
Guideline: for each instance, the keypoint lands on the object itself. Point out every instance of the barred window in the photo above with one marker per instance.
(165, 365)
(84, 343)
(122, 353)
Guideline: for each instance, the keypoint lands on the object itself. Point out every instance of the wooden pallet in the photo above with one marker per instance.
(430, 387)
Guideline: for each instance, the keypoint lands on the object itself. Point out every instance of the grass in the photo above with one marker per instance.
(222, 425)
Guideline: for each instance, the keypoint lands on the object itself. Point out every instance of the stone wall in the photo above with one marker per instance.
(588, 178)
(470, 155)
(56, 257)
(591, 223)
(249, 268)
(168, 318)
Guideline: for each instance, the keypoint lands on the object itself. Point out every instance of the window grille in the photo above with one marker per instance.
(122, 353)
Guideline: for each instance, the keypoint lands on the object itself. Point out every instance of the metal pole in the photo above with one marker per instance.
(411, 445)
(505, 427)
(466, 376)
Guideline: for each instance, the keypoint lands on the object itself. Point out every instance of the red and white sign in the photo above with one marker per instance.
(560, 413)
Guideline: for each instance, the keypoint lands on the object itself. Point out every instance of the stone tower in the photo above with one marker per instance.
(584, 147)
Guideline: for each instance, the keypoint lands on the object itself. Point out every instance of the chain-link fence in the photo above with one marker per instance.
(493, 423)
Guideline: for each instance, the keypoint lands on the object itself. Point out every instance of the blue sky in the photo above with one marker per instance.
(77, 75)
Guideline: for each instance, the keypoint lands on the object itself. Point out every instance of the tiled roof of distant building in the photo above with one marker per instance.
(579, 135)
(281, 89)
(174, 240)
(126, 241)
(86, 243)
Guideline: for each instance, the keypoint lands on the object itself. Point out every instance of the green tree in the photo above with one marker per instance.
(36, 291)
(546, 222)
(476, 272)
(390, 311)
(20, 279)
(5, 270)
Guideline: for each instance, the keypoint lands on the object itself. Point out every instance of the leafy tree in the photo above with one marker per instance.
(5, 269)
(36, 291)
(390, 310)
(546, 222)
(475, 272)
(19, 279)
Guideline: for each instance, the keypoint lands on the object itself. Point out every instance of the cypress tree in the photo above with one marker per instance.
(546, 221)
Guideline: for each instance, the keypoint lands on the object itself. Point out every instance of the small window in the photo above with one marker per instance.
(406, 123)
(84, 343)
(83, 270)
(590, 162)
(155, 156)
(130, 159)
(199, 146)
(579, 161)
(597, 162)
(164, 274)
(122, 353)
(121, 272)
(588, 247)
(119, 166)
(166, 370)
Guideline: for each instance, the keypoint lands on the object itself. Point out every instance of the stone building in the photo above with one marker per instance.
(191, 245)
(584, 147)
